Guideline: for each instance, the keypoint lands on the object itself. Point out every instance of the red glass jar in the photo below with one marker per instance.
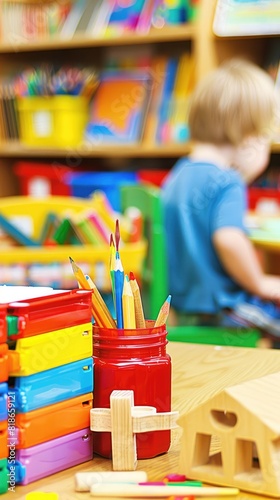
(133, 360)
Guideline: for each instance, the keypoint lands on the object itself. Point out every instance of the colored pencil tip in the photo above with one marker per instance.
(71, 260)
(131, 276)
(168, 299)
(117, 234)
(112, 243)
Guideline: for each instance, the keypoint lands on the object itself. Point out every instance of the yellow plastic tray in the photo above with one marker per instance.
(49, 350)
(32, 212)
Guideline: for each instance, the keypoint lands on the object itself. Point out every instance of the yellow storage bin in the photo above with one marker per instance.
(56, 121)
(30, 213)
(49, 350)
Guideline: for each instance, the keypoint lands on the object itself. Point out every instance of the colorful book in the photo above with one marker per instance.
(119, 107)
(163, 131)
(18, 236)
(100, 18)
(72, 20)
(145, 19)
(158, 74)
(124, 16)
(184, 84)
(91, 8)
(251, 17)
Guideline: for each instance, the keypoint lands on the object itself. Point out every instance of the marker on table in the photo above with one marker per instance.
(137, 491)
(84, 480)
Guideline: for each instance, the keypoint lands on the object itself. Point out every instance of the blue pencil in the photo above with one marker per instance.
(119, 281)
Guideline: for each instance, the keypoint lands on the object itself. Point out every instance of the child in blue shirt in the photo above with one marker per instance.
(212, 265)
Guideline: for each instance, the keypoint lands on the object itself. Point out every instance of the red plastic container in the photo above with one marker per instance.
(257, 195)
(155, 177)
(133, 360)
(42, 179)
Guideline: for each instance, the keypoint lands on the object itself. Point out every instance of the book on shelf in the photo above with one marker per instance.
(100, 18)
(183, 87)
(119, 107)
(90, 9)
(165, 106)
(124, 17)
(21, 22)
(145, 18)
(73, 18)
(250, 17)
(9, 128)
(158, 71)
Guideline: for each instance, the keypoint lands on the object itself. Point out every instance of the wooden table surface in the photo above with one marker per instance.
(199, 372)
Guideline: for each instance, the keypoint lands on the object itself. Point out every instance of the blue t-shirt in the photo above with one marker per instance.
(199, 198)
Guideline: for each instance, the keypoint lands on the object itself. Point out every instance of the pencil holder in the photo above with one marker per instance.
(133, 360)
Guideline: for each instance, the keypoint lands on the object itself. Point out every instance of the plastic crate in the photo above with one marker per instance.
(42, 179)
(261, 199)
(56, 121)
(155, 177)
(83, 184)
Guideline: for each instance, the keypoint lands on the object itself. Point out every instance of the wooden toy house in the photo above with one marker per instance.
(233, 438)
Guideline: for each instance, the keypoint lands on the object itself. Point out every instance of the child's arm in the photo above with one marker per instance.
(239, 259)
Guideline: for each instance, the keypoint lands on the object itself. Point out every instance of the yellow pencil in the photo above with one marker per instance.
(128, 305)
(139, 313)
(109, 319)
(79, 275)
(163, 313)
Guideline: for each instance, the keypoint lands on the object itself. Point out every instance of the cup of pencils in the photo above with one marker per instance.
(129, 314)
(129, 352)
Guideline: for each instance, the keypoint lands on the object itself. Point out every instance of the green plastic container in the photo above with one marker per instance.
(237, 337)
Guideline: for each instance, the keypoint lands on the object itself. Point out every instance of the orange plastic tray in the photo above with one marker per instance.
(53, 421)
(3, 363)
(4, 440)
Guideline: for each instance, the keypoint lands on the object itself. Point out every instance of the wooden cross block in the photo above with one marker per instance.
(124, 421)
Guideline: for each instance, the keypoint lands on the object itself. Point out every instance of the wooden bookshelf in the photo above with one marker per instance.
(208, 50)
(168, 34)
(16, 150)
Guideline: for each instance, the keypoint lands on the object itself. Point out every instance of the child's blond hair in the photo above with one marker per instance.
(235, 101)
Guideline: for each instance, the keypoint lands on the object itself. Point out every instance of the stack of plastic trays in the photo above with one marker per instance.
(4, 448)
(50, 351)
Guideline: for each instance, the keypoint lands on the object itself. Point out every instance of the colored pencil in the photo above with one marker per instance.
(101, 302)
(97, 312)
(128, 305)
(117, 235)
(163, 313)
(139, 313)
(112, 266)
(79, 275)
(119, 281)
